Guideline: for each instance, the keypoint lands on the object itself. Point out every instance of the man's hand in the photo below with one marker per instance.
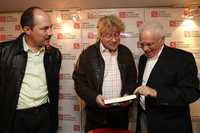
(100, 101)
(145, 91)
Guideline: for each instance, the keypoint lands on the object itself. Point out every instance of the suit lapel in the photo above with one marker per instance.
(142, 65)
(155, 73)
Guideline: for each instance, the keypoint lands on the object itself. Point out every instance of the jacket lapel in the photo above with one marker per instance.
(141, 67)
(99, 64)
(155, 73)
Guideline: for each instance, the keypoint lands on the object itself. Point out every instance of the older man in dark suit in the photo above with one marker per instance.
(169, 83)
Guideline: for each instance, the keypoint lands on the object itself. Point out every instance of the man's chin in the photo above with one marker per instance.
(113, 49)
(148, 55)
(46, 43)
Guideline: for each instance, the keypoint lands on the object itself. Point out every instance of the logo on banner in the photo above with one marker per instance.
(76, 45)
(61, 76)
(128, 14)
(17, 27)
(77, 128)
(61, 96)
(61, 116)
(122, 14)
(91, 35)
(172, 23)
(154, 14)
(194, 33)
(2, 37)
(173, 44)
(77, 25)
(77, 107)
(139, 23)
(2, 19)
(60, 36)
(176, 23)
(160, 13)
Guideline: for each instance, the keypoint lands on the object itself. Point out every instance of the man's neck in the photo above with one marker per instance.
(30, 44)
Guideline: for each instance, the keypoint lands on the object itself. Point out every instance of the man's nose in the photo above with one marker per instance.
(114, 39)
(145, 48)
(50, 32)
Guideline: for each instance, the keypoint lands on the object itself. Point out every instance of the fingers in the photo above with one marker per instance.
(146, 91)
(100, 101)
(140, 90)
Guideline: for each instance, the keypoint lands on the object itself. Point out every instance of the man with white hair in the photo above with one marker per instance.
(168, 84)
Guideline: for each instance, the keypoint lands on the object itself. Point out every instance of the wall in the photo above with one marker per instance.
(74, 30)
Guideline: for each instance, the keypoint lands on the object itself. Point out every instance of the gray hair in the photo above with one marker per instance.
(155, 28)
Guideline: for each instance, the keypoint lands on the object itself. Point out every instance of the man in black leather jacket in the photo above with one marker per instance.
(29, 78)
(105, 70)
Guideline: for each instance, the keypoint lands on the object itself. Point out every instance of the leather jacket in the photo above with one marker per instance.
(89, 73)
(13, 60)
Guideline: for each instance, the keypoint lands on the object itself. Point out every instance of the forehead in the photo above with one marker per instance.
(147, 36)
(110, 30)
(41, 18)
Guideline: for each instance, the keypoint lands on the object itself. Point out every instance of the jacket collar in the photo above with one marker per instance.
(18, 44)
(143, 61)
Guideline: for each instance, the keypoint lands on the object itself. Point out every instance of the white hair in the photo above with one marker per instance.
(154, 27)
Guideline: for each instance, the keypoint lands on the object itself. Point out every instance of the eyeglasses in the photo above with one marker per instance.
(110, 36)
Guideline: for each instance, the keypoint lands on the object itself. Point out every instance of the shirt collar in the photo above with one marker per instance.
(103, 50)
(157, 56)
(25, 46)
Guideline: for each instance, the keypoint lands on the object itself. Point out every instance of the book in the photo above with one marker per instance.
(119, 99)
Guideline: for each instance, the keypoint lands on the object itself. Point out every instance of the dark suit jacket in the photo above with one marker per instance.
(174, 77)
(13, 60)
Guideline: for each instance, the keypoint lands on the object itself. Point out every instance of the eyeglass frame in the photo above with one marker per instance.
(110, 36)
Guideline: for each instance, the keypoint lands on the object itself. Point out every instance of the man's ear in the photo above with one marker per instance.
(27, 29)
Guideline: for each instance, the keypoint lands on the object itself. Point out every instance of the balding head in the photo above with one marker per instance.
(27, 18)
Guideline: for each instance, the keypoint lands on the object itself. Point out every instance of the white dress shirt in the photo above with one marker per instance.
(147, 71)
